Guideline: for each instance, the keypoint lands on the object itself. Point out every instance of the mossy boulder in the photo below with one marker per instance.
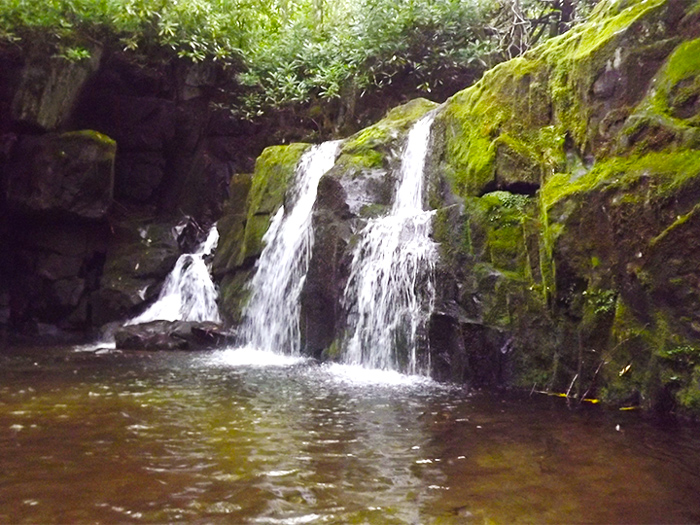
(274, 171)
(231, 226)
(572, 182)
(361, 185)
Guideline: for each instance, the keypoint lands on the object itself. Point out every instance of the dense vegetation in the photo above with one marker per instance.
(292, 51)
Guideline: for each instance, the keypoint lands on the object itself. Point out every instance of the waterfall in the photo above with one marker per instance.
(188, 293)
(271, 318)
(390, 292)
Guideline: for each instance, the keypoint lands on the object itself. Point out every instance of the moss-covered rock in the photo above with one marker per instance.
(231, 226)
(274, 171)
(361, 185)
(586, 263)
(566, 185)
(253, 200)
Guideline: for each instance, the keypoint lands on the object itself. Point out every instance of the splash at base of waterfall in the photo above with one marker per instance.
(188, 293)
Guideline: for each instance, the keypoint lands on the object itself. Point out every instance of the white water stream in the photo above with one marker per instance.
(390, 292)
(188, 293)
(271, 318)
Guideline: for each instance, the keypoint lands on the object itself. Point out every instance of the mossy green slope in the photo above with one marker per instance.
(585, 254)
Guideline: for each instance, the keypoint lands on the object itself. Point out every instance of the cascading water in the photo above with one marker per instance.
(188, 293)
(390, 292)
(271, 318)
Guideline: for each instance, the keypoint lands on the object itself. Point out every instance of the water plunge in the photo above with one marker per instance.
(271, 318)
(390, 292)
(188, 293)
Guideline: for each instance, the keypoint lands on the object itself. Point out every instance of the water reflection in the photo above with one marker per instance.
(229, 437)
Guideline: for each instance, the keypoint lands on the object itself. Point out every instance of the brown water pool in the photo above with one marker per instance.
(235, 437)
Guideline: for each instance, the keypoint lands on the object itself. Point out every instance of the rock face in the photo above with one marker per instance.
(576, 165)
(70, 174)
(100, 160)
(359, 186)
(49, 87)
(566, 188)
(565, 184)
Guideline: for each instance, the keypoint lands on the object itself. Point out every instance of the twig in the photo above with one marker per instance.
(595, 375)
(571, 386)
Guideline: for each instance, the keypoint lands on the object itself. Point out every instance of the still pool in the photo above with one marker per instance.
(235, 436)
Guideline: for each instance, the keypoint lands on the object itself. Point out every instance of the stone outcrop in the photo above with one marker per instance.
(66, 174)
(576, 164)
(48, 88)
(566, 185)
(566, 189)
(100, 159)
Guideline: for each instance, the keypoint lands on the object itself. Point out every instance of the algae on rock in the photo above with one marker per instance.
(598, 128)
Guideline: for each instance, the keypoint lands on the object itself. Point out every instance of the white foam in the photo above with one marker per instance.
(361, 376)
(99, 347)
(249, 356)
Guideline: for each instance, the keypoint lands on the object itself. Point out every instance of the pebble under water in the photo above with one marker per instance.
(238, 436)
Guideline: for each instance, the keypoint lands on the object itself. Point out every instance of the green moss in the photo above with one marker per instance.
(233, 295)
(689, 396)
(396, 121)
(683, 63)
(668, 172)
(232, 225)
(360, 160)
(667, 117)
(606, 23)
(92, 135)
(531, 103)
(545, 118)
(373, 210)
(497, 223)
(274, 171)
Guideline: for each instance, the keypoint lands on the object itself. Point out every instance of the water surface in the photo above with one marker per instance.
(237, 437)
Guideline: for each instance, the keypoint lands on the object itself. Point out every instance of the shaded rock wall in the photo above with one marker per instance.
(112, 155)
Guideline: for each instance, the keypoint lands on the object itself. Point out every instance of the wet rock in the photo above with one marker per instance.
(139, 257)
(360, 185)
(247, 214)
(139, 174)
(232, 226)
(172, 335)
(119, 297)
(321, 299)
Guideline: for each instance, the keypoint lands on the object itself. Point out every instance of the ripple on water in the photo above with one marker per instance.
(240, 436)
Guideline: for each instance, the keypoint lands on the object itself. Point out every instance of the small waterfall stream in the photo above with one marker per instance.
(271, 318)
(188, 293)
(390, 292)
